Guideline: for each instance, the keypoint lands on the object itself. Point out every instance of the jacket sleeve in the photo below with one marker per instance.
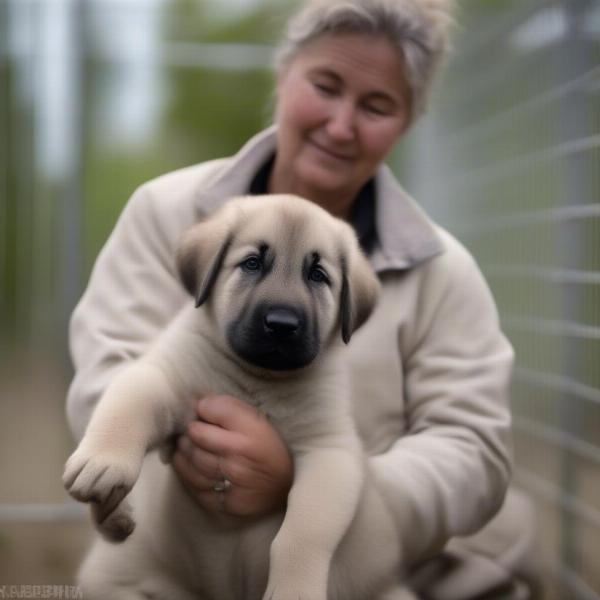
(132, 293)
(449, 474)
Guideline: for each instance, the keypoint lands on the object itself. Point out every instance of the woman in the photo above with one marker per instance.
(429, 370)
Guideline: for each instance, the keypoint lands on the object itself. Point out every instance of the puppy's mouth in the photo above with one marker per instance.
(277, 338)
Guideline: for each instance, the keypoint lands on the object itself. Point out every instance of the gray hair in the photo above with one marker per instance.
(418, 28)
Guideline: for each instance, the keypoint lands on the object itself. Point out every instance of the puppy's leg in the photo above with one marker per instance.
(127, 572)
(112, 573)
(369, 560)
(150, 590)
(396, 594)
(106, 591)
(138, 410)
(321, 505)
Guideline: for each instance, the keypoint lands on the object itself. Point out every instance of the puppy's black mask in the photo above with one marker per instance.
(278, 337)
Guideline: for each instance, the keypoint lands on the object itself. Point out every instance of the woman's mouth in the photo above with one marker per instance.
(331, 153)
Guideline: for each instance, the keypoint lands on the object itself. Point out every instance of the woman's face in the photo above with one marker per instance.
(342, 102)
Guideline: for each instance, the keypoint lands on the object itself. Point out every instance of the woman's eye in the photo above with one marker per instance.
(251, 264)
(318, 275)
(376, 110)
(325, 89)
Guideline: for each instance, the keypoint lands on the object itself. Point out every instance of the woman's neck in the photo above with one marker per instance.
(337, 203)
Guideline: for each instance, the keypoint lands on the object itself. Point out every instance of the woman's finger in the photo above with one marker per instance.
(206, 462)
(191, 476)
(201, 488)
(229, 413)
(215, 439)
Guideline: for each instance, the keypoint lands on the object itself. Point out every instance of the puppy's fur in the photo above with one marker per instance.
(278, 284)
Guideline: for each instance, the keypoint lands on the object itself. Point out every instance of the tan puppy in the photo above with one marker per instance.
(278, 283)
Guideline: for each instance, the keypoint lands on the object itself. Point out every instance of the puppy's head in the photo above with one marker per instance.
(281, 277)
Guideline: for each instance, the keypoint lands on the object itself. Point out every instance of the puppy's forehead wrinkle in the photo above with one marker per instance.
(291, 230)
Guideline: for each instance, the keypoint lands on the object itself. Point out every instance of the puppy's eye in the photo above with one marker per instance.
(318, 275)
(251, 264)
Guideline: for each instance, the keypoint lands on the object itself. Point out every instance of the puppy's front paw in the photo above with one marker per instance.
(100, 476)
(115, 526)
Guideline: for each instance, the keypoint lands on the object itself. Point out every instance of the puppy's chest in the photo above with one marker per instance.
(300, 411)
(284, 405)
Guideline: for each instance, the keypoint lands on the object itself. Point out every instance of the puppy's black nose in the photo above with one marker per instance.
(282, 321)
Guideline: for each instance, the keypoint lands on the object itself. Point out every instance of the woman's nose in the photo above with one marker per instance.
(341, 124)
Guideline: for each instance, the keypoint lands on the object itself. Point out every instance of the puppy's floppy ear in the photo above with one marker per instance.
(360, 291)
(200, 256)
(212, 273)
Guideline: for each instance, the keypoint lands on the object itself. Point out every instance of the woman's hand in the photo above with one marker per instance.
(234, 441)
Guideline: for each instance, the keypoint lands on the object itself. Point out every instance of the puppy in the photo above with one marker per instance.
(278, 284)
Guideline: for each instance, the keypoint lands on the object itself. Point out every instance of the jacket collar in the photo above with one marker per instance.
(237, 172)
(406, 235)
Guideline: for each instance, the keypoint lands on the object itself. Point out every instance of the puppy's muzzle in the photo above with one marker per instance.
(275, 336)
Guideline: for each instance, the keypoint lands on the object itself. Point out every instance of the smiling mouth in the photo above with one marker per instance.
(331, 153)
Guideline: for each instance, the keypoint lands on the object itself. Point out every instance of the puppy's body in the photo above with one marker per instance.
(277, 287)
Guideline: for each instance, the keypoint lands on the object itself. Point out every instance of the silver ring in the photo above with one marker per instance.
(222, 486)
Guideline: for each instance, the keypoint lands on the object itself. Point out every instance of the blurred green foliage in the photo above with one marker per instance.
(209, 114)
(16, 205)
(212, 113)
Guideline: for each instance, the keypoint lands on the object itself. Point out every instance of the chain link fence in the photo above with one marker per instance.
(509, 162)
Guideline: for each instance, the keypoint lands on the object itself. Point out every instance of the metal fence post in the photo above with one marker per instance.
(71, 205)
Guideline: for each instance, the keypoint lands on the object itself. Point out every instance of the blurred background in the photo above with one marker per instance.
(97, 96)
